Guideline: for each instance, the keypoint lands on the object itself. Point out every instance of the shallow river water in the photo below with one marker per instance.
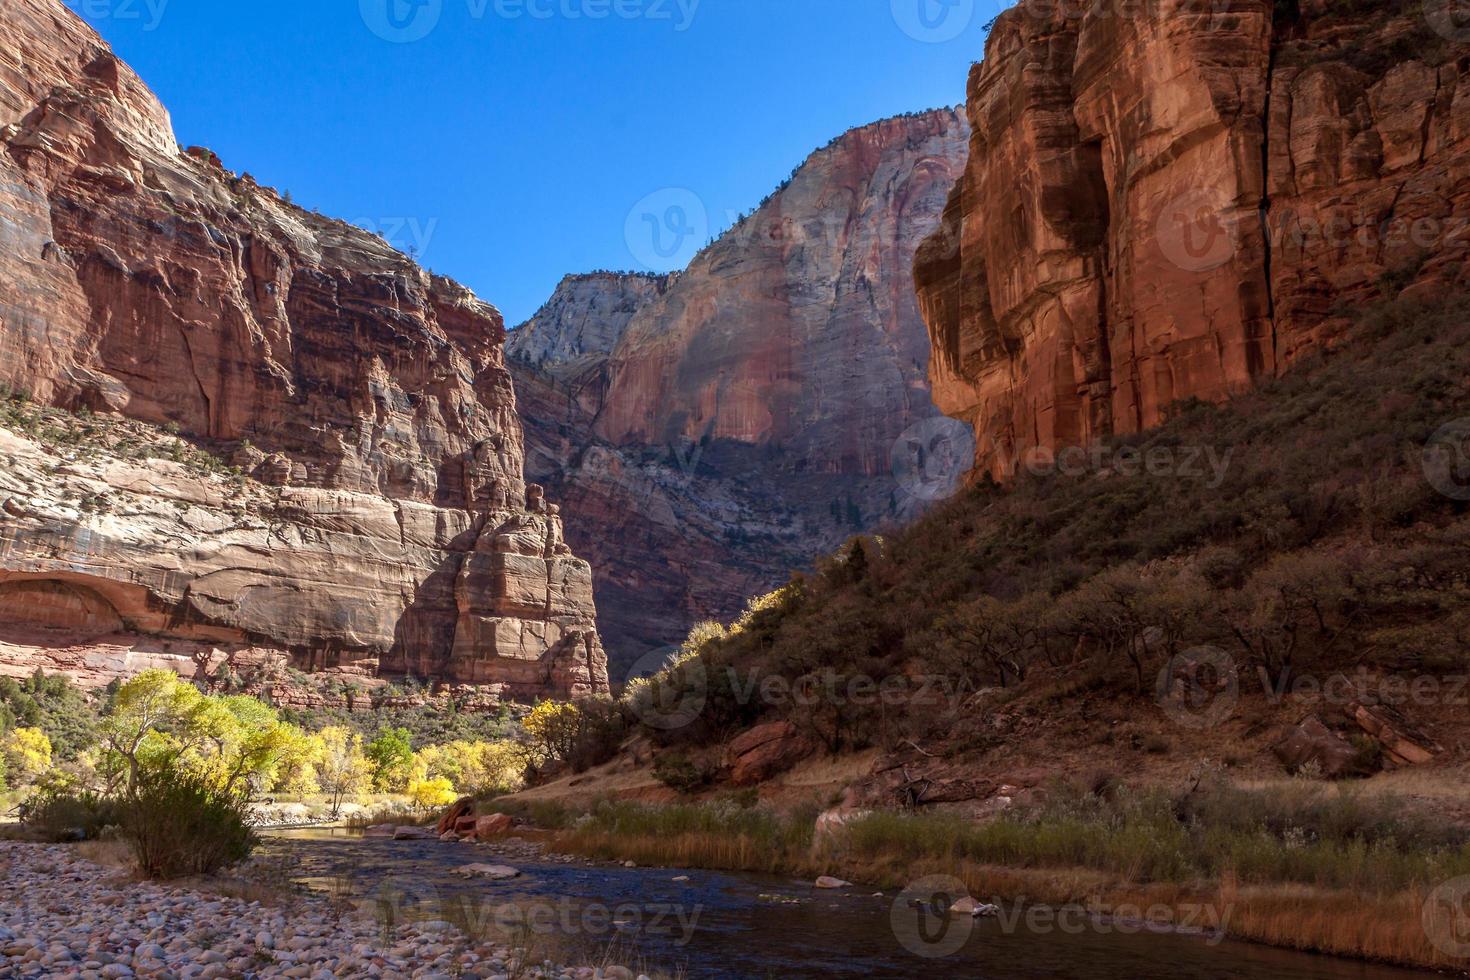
(735, 926)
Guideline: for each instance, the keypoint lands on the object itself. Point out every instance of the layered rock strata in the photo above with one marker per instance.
(718, 428)
(141, 281)
(1173, 204)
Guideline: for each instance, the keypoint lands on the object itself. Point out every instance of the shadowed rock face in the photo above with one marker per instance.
(1170, 205)
(717, 428)
(141, 280)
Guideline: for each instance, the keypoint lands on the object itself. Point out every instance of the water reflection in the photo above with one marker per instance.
(729, 926)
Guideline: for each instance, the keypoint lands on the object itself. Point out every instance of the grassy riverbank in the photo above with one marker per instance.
(1308, 866)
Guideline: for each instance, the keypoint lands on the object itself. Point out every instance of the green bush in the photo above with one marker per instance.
(678, 772)
(62, 816)
(179, 824)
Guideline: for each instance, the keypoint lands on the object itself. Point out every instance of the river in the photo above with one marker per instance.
(721, 925)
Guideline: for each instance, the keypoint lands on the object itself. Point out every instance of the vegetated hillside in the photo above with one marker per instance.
(1134, 612)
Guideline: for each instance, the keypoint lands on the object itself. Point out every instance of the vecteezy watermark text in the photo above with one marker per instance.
(149, 12)
(933, 918)
(1189, 462)
(411, 236)
(678, 696)
(406, 21)
(405, 898)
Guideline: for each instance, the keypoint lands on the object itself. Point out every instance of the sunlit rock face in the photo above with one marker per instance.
(1176, 203)
(717, 428)
(146, 281)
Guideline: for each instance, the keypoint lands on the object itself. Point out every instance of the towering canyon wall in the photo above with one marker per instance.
(741, 419)
(382, 520)
(1171, 200)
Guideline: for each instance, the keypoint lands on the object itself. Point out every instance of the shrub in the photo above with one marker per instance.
(579, 735)
(678, 772)
(62, 816)
(179, 824)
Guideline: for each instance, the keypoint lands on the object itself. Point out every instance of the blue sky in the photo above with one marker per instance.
(508, 142)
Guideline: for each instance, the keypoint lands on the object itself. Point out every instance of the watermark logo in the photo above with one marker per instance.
(1446, 459)
(1449, 19)
(401, 21)
(923, 919)
(1199, 688)
(1204, 463)
(933, 21)
(932, 458)
(1212, 15)
(400, 899)
(411, 236)
(1195, 232)
(150, 12)
(667, 228)
(669, 695)
(1446, 918)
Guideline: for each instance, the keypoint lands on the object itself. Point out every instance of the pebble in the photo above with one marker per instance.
(103, 926)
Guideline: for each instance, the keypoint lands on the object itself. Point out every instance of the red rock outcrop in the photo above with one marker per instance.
(716, 429)
(149, 282)
(765, 751)
(1170, 202)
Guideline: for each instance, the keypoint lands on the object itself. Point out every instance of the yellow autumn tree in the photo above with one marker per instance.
(27, 753)
(427, 794)
(343, 769)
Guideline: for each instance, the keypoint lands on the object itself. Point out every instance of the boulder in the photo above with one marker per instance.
(834, 821)
(1403, 744)
(830, 883)
(462, 808)
(1312, 742)
(974, 908)
(494, 825)
(413, 833)
(766, 751)
(491, 872)
(465, 826)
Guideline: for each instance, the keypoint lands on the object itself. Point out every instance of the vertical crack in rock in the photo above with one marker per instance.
(1206, 123)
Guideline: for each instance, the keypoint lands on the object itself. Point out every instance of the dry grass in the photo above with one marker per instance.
(1341, 923)
(1378, 918)
(108, 854)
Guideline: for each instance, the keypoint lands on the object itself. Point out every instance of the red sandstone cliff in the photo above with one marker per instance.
(386, 522)
(1169, 204)
(716, 429)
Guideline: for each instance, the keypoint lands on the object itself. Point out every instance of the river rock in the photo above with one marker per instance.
(973, 908)
(493, 872)
(413, 833)
(494, 825)
(462, 808)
